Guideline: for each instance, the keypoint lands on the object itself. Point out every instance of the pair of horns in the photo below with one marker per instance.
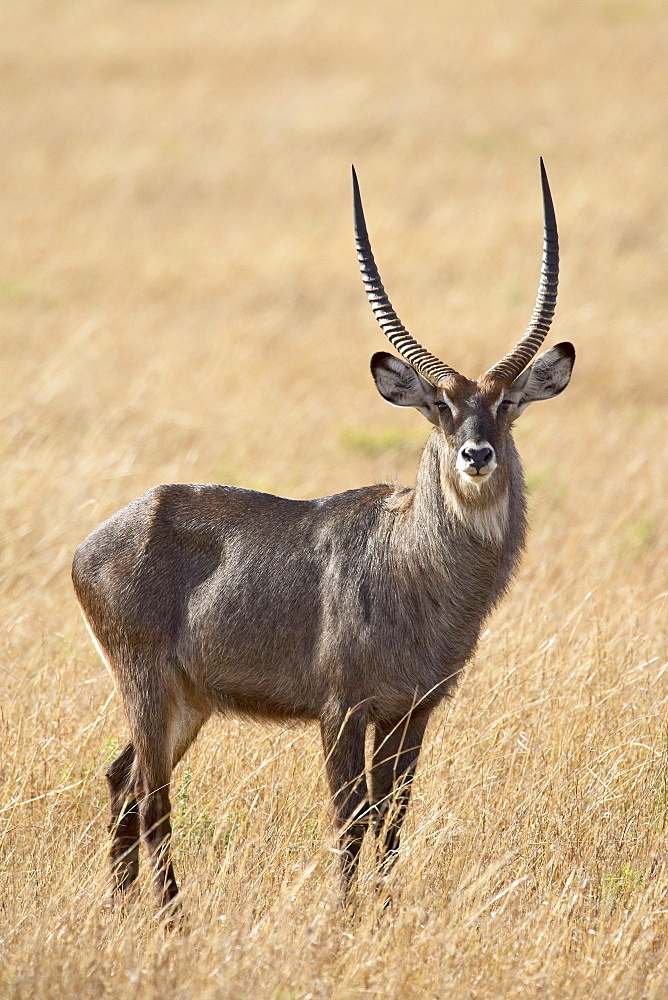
(428, 365)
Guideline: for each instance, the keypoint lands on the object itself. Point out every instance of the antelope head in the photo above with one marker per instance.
(473, 416)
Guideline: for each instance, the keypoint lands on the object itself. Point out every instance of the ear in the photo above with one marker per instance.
(400, 384)
(547, 377)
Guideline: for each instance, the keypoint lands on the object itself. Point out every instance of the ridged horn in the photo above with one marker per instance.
(433, 370)
(516, 360)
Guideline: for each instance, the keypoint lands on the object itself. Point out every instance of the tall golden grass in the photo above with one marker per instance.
(180, 302)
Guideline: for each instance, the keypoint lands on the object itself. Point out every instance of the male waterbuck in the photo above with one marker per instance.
(354, 610)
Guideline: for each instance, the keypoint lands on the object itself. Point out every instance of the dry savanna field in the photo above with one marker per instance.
(180, 302)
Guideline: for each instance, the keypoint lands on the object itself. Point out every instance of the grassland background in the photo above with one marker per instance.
(180, 302)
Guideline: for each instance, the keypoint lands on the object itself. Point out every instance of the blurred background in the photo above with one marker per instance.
(178, 281)
(180, 301)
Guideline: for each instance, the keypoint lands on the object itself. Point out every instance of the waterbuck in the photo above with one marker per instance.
(354, 610)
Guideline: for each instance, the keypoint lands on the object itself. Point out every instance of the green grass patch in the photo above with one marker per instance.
(371, 443)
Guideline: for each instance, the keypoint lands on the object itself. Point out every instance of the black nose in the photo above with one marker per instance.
(478, 457)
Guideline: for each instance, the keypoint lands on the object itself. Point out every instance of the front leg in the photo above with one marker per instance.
(343, 731)
(396, 749)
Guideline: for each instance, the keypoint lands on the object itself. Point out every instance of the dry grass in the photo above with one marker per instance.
(180, 302)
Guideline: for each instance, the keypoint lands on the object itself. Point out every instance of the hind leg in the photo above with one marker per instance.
(124, 825)
(187, 725)
(163, 724)
(152, 791)
(158, 749)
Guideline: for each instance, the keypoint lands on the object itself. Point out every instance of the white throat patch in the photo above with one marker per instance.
(488, 522)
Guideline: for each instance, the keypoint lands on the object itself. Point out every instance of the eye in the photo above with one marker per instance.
(443, 407)
(505, 403)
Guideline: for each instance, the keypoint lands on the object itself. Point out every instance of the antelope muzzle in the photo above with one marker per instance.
(476, 460)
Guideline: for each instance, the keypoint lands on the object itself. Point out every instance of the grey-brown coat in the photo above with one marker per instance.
(353, 610)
